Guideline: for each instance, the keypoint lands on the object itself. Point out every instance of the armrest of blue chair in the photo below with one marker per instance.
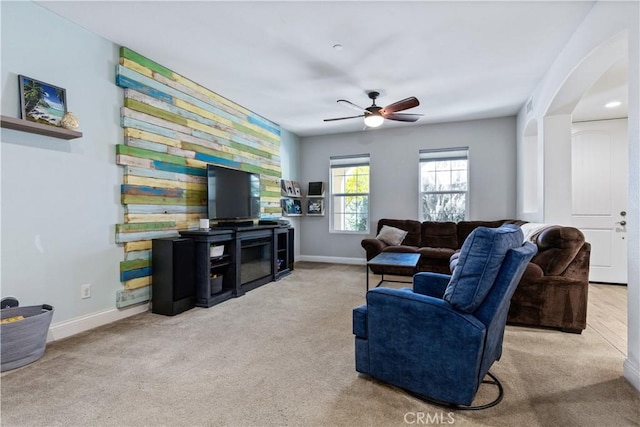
(431, 284)
(360, 321)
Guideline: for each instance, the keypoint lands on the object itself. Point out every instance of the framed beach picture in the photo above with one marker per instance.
(41, 102)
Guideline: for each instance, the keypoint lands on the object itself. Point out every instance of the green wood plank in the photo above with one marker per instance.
(254, 133)
(145, 235)
(145, 62)
(134, 264)
(160, 200)
(144, 226)
(252, 150)
(205, 150)
(265, 193)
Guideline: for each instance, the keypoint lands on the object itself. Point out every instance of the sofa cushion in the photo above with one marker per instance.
(478, 265)
(439, 234)
(436, 253)
(391, 235)
(412, 227)
(464, 228)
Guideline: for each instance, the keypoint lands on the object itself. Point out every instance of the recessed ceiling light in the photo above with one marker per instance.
(613, 104)
(337, 47)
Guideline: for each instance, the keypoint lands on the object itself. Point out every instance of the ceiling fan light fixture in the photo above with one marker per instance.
(373, 120)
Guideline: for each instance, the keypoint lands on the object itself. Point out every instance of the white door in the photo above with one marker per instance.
(599, 195)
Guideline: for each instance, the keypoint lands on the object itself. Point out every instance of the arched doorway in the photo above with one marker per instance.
(586, 162)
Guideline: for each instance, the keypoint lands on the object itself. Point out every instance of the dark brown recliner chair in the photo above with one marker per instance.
(554, 289)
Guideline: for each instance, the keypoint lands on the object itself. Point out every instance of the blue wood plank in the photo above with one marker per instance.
(134, 274)
(264, 124)
(218, 160)
(170, 167)
(128, 82)
(142, 190)
(146, 81)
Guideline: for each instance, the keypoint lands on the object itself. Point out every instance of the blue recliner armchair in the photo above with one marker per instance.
(439, 339)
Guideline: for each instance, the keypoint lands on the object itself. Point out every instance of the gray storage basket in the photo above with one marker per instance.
(24, 341)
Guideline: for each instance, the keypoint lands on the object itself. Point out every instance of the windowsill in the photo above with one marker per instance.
(349, 232)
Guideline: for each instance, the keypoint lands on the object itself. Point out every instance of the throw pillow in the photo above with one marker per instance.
(391, 235)
(478, 265)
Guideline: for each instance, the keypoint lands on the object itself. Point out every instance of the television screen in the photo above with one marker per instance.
(232, 194)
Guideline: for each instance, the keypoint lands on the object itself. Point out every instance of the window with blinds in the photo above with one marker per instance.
(444, 189)
(349, 192)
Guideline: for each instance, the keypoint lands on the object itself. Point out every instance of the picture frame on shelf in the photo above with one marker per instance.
(315, 207)
(286, 188)
(316, 189)
(291, 207)
(41, 102)
(296, 188)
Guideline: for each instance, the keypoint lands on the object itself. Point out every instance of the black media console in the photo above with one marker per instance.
(226, 263)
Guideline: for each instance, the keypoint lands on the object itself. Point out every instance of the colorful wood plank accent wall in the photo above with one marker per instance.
(173, 128)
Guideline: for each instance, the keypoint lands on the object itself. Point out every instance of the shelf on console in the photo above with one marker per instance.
(38, 128)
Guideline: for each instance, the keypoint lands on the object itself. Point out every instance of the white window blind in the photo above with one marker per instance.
(444, 177)
(349, 189)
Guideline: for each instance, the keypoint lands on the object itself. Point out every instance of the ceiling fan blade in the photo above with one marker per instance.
(343, 118)
(401, 117)
(401, 105)
(351, 105)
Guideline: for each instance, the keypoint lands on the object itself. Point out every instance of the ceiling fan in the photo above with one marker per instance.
(374, 116)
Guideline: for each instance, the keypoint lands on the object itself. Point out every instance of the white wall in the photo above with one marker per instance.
(290, 165)
(608, 31)
(394, 176)
(61, 199)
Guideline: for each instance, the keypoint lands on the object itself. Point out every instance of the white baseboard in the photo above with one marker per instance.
(631, 373)
(332, 259)
(71, 327)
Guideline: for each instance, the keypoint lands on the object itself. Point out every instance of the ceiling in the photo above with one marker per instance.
(462, 60)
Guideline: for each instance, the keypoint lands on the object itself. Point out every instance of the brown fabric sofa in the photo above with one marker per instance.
(553, 291)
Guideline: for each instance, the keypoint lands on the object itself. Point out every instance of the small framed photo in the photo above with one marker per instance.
(292, 207)
(296, 188)
(286, 188)
(315, 207)
(41, 102)
(316, 189)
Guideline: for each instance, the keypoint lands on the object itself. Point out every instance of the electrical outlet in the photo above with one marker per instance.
(86, 291)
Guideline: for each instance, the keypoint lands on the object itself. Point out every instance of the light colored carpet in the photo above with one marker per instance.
(283, 355)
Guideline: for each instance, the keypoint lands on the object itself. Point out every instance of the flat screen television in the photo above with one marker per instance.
(232, 194)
